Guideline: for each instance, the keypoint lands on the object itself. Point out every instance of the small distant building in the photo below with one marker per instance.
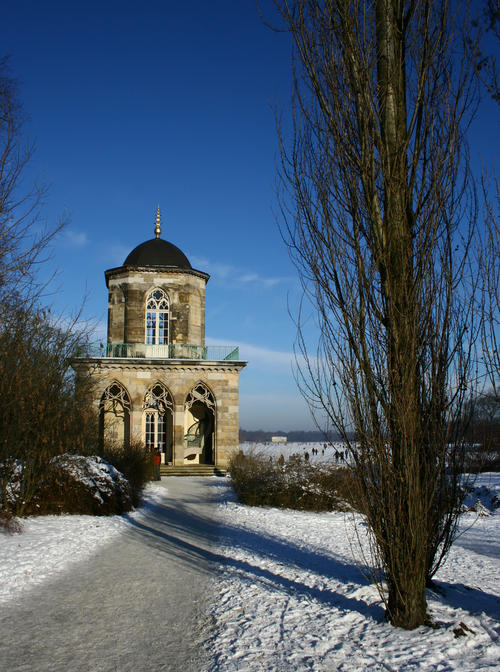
(156, 380)
(279, 439)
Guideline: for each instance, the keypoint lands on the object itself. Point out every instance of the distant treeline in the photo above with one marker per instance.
(298, 436)
(481, 417)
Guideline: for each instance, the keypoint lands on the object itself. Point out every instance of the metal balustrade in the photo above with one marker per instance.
(218, 353)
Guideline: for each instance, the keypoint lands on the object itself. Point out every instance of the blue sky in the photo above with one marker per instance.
(172, 103)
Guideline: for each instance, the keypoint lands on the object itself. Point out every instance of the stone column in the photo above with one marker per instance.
(136, 431)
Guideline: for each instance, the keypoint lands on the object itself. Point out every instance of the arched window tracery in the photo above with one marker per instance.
(114, 414)
(157, 310)
(200, 393)
(158, 408)
(115, 397)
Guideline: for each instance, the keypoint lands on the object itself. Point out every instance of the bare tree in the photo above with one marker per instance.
(23, 238)
(482, 47)
(490, 272)
(482, 44)
(42, 413)
(379, 214)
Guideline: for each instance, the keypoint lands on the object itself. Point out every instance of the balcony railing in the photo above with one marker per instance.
(216, 353)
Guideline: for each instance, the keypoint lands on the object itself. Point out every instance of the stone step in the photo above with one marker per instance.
(192, 470)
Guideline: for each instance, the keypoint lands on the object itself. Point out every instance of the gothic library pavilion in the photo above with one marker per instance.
(156, 380)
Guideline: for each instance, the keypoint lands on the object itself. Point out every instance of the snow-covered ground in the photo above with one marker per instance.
(316, 452)
(290, 595)
(50, 544)
(295, 594)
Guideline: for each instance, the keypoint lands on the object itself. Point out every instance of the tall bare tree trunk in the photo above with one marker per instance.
(378, 215)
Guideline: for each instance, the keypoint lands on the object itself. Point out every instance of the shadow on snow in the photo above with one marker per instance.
(173, 527)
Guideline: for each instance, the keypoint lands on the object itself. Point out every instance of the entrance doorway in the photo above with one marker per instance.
(199, 426)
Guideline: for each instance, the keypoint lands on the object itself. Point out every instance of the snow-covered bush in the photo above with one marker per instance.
(98, 485)
(81, 485)
(8, 522)
(483, 496)
(134, 461)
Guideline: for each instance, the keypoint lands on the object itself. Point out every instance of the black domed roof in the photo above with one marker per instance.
(157, 252)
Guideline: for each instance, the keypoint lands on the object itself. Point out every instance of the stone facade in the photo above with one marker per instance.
(179, 377)
(128, 289)
(156, 381)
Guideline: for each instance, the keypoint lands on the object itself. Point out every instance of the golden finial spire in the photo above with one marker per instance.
(158, 227)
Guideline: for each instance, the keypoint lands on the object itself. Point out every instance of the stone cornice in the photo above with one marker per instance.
(126, 271)
(143, 364)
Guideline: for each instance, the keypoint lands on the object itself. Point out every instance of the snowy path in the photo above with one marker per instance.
(138, 604)
(287, 597)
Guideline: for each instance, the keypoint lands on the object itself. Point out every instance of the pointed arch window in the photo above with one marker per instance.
(158, 409)
(157, 309)
(114, 414)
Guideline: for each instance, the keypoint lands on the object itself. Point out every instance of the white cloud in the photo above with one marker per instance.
(231, 274)
(270, 282)
(249, 277)
(274, 359)
(215, 269)
(258, 279)
(75, 238)
(99, 330)
(261, 357)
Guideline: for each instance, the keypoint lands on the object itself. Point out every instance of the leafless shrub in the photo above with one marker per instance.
(292, 484)
(134, 461)
(42, 412)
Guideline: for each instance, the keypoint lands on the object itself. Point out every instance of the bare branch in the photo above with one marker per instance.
(379, 210)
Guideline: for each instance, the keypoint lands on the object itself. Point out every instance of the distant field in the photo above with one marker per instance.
(325, 452)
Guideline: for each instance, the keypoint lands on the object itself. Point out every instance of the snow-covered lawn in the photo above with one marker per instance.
(289, 594)
(291, 597)
(316, 452)
(293, 594)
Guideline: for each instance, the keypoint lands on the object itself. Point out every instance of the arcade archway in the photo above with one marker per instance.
(199, 426)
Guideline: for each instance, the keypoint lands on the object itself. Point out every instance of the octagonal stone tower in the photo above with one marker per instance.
(156, 380)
